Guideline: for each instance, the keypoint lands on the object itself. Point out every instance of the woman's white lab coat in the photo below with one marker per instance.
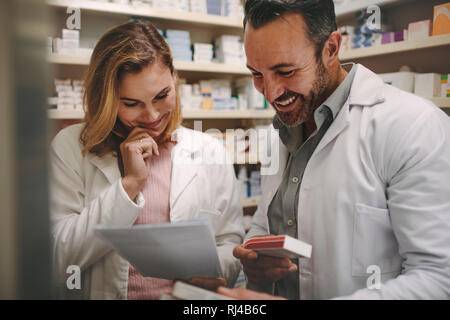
(374, 200)
(87, 191)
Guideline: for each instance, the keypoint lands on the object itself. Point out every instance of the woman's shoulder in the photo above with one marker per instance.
(68, 138)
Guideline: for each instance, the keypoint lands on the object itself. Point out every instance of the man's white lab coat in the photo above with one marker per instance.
(87, 191)
(375, 196)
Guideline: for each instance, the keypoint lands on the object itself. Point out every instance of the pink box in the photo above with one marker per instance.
(387, 37)
(419, 29)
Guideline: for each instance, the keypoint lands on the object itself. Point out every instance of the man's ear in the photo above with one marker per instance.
(330, 52)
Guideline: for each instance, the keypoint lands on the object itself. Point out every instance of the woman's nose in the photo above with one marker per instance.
(151, 113)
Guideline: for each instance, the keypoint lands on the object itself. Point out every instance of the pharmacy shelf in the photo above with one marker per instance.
(211, 67)
(146, 11)
(58, 58)
(179, 65)
(65, 114)
(250, 202)
(187, 114)
(396, 47)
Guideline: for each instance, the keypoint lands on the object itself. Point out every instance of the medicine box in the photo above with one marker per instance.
(419, 29)
(441, 19)
(427, 85)
(401, 80)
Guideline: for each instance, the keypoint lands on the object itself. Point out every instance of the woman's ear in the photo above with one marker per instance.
(330, 52)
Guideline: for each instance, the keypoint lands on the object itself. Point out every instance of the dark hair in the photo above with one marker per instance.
(319, 16)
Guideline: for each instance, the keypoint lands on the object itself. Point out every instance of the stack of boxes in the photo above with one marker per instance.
(234, 8)
(230, 8)
(348, 33)
(203, 52)
(198, 6)
(366, 35)
(69, 44)
(69, 95)
(229, 49)
(214, 7)
(217, 95)
(248, 96)
(427, 85)
(180, 44)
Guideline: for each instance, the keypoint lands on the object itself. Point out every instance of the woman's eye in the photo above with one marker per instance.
(134, 104)
(162, 96)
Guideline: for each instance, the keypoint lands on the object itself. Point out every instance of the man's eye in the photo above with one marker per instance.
(257, 75)
(286, 73)
(134, 104)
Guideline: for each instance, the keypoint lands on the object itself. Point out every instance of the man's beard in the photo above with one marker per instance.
(310, 103)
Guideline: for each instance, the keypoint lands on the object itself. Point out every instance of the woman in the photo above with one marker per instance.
(120, 167)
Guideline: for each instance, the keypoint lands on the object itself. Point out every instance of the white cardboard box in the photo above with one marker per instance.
(427, 85)
(402, 80)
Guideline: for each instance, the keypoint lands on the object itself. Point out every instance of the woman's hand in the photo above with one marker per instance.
(136, 151)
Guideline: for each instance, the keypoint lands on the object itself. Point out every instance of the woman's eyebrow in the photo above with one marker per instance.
(163, 90)
(129, 99)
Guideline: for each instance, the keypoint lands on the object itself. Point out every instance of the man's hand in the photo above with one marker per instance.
(245, 294)
(261, 269)
(208, 283)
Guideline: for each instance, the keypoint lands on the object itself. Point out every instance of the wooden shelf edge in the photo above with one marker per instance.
(146, 11)
(191, 66)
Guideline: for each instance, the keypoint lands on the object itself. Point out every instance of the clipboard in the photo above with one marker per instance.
(178, 250)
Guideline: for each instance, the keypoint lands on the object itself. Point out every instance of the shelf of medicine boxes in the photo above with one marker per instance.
(207, 20)
(179, 65)
(212, 114)
(396, 47)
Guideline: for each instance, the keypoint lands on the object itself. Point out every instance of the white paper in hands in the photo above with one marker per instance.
(178, 250)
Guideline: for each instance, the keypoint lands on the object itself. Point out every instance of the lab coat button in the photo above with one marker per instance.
(290, 222)
(295, 179)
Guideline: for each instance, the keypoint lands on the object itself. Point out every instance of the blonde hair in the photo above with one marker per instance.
(124, 49)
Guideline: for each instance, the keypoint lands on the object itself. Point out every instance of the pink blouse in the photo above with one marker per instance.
(156, 210)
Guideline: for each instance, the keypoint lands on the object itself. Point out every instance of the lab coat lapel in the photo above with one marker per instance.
(107, 164)
(366, 91)
(184, 164)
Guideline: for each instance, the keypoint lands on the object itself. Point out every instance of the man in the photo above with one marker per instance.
(364, 169)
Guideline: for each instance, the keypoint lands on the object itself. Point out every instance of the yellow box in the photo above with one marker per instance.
(441, 19)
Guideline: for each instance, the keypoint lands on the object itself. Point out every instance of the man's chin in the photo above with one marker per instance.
(290, 119)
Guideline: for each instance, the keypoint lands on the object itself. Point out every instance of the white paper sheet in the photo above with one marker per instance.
(179, 250)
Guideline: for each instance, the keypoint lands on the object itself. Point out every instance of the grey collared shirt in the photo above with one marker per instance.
(282, 212)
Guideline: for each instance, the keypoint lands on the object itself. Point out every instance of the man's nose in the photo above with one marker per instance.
(272, 90)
